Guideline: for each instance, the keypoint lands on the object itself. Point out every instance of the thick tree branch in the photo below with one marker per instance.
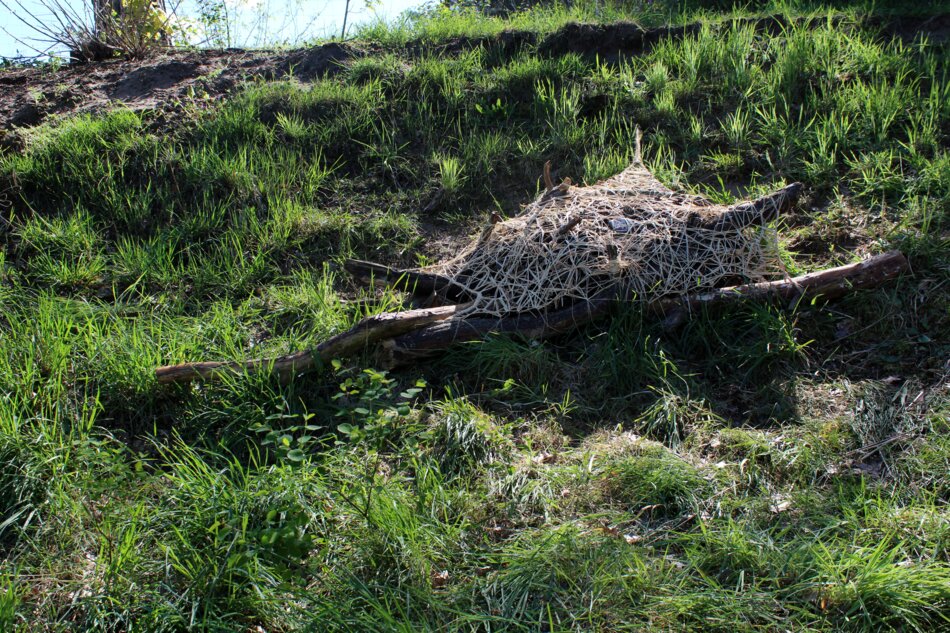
(828, 284)
(413, 334)
(424, 341)
(365, 333)
(760, 211)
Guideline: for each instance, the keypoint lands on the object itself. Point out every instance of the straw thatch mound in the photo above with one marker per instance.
(628, 234)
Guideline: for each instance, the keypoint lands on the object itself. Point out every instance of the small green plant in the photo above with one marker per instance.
(463, 437)
(290, 436)
(872, 587)
(665, 103)
(881, 414)
(451, 175)
(484, 152)
(734, 553)
(235, 529)
(495, 110)
(385, 153)
(293, 126)
(603, 164)
(671, 417)
(372, 416)
(736, 127)
(656, 78)
(10, 596)
(368, 407)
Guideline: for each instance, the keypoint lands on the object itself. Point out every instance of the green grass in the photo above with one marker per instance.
(769, 468)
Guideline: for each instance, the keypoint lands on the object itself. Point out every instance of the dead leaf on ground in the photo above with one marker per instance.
(439, 578)
(780, 504)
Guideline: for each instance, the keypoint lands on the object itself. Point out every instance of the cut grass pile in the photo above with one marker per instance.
(772, 468)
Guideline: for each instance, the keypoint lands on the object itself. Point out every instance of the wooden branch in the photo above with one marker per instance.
(367, 332)
(410, 335)
(568, 226)
(828, 284)
(188, 372)
(437, 337)
(416, 283)
(760, 211)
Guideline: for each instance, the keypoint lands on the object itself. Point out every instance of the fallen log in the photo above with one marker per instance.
(413, 334)
(365, 333)
(437, 337)
(828, 284)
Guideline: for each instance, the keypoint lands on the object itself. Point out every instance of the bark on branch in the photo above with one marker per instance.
(425, 341)
(760, 211)
(365, 333)
(827, 284)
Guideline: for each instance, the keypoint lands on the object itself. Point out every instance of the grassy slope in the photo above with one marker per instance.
(763, 469)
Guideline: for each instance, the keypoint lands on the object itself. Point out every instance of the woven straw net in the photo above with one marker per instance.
(627, 234)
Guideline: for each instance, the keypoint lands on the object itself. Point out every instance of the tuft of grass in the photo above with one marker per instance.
(873, 587)
(451, 175)
(463, 438)
(653, 480)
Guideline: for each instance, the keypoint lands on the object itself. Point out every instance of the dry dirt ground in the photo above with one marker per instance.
(30, 95)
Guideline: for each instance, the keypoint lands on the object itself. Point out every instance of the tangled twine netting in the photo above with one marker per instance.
(627, 234)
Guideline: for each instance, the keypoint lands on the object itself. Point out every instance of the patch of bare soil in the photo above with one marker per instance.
(607, 40)
(936, 28)
(610, 41)
(29, 95)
